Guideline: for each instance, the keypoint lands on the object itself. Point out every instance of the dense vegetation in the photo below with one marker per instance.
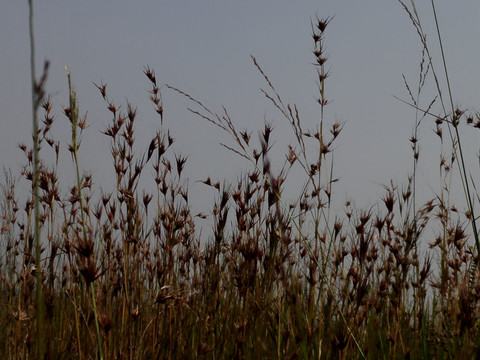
(126, 274)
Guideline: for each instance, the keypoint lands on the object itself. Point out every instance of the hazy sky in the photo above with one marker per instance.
(204, 48)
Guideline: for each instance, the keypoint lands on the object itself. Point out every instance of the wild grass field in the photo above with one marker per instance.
(126, 274)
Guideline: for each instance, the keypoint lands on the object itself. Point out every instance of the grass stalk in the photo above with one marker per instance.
(75, 123)
(36, 99)
(455, 120)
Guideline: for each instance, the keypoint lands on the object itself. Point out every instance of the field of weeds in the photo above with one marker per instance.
(126, 274)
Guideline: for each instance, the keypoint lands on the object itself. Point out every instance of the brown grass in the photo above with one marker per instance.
(273, 279)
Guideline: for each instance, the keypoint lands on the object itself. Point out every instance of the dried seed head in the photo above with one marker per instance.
(322, 23)
(389, 201)
(103, 90)
(150, 75)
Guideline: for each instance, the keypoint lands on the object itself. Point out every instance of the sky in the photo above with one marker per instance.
(204, 48)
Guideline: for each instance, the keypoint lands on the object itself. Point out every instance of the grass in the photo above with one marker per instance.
(127, 274)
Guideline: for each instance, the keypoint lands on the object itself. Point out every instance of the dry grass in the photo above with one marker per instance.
(272, 280)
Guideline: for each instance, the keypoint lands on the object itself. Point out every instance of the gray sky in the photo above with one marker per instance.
(204, 48)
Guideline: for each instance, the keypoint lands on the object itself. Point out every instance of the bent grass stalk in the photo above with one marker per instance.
(455, 120)
(454, 115)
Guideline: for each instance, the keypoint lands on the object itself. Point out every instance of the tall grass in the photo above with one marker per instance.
(37, 97)
(125, 273)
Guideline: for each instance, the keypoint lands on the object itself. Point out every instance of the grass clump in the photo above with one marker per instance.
(127, 274)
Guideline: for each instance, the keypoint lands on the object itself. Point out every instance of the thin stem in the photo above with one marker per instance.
(74, 121)
(38, 250)
(463, 171)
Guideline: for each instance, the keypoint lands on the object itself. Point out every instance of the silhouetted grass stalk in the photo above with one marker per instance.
(36, 99)
(73, 115)
(454, 122)
(454, 115)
